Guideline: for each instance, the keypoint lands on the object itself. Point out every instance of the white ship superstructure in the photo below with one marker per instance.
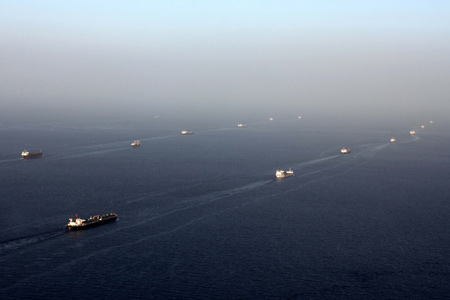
(280, 173)
(74, 222)
(289, 172)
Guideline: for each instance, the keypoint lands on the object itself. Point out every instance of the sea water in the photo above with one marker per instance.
(203, 216)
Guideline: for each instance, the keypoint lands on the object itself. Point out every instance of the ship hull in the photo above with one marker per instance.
(284, 175)
(32, 155)
(91, 224)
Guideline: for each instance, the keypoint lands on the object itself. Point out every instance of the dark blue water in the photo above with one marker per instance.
(202, 216)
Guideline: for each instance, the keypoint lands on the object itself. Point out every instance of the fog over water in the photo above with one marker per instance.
(264, 58)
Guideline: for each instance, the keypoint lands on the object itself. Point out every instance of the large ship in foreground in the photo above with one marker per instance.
(79, 224)
(26, 154)
(282, 174)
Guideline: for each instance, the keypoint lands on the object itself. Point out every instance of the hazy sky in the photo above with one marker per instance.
(346, 57)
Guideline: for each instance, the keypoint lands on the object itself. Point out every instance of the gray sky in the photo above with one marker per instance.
(354, 58)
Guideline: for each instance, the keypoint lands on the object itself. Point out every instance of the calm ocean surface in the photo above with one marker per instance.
(203, 217)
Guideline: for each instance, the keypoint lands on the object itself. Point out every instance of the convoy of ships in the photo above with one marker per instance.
(77, 223)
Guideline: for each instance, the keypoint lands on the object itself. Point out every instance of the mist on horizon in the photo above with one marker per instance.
(74, 60)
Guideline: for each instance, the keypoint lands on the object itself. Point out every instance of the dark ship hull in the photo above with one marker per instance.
(32, 155)
(92, 222)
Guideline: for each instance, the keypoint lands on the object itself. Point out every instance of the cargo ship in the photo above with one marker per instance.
(79, 224)
(185, 132)
(282, 174)
(136, 143)
(26, 154)
(242, 125)
(345, 150)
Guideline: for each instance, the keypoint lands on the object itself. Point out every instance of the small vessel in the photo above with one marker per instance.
(345, 150)
(282, 174)
(271, 119)
(242, 125)
(431, 122)
(136, 143)
(79, 224)
(393, 140)
(412, 132)
(185, 132)
(26, 154)
(299, 117)
(422, 126)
